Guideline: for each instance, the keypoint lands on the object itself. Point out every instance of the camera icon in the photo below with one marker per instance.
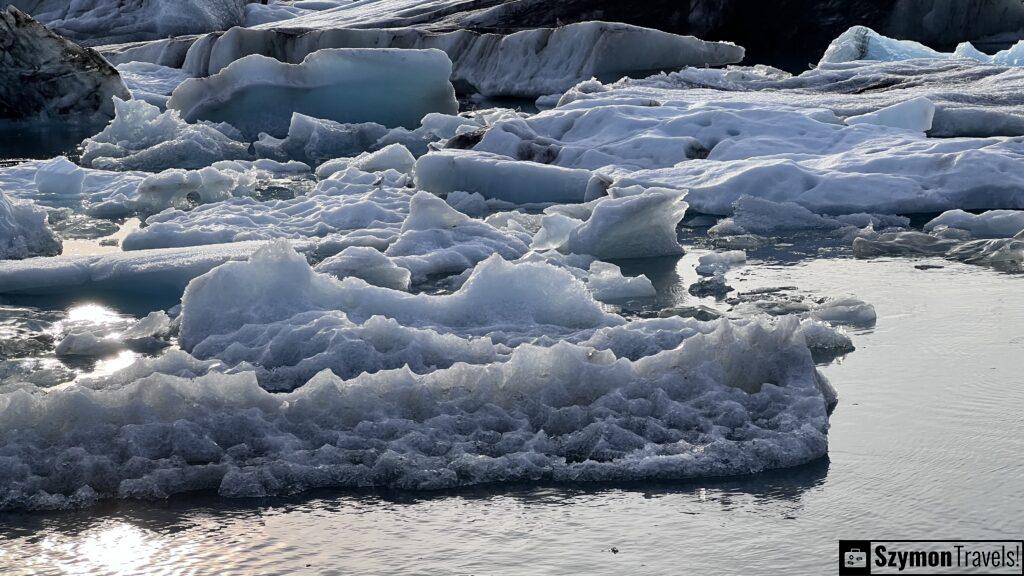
(855, 558)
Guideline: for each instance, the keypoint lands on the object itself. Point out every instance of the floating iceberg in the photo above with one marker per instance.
(350, 85)
(367, 264)
(606, 282)
(500, 177)
(141, 137)
(991, 224)
(46, 77)
(24, 231)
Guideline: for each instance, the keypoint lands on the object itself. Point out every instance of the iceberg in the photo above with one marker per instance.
(258, 94)
(142, 137)
(990, 224)
(24, 232)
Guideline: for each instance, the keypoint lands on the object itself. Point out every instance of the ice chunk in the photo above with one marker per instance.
(368, 264)
(141, 137)
(499, 177)
(718, 263)
(759, 216)
(863, 43)
(437, 239)
(59, 177)
(351, 85)
(24, 231)
(313, 141)
(991, 224)
(391, 157)
(633, 226)
(607, 284)
(916, 115)
(846, 311)
(524, 64)
(45, 76)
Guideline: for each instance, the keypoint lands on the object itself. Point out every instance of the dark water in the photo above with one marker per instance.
(42, 141)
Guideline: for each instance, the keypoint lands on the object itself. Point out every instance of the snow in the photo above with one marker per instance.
(259, 94)
(916, 115)
(24, 231)
(991, 224)
(141, 137)
(499, 177)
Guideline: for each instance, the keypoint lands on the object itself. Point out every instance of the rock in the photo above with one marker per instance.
(44, 75)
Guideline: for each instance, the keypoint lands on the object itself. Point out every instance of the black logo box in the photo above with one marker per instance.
(847, 546)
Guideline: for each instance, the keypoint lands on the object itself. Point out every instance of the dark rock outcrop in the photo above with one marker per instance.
(45, 76)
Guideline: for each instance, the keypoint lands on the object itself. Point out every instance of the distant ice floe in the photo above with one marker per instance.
(862, 43)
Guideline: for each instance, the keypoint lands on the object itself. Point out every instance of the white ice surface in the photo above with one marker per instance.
(991, 224)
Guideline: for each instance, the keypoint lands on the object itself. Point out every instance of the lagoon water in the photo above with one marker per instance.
(924, 443)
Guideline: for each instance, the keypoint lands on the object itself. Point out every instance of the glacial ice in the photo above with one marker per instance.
(24, 231)
(863, 43)
(259, 94)
(526, 64)
(607, 284)
(634, 225)
(141, 137)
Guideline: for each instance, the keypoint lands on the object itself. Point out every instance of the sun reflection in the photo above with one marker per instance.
(91, 313)
(108, 366)
(113, 549)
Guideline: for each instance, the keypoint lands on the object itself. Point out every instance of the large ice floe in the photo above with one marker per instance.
(259, 94)
(421, 396)
(45, 76)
